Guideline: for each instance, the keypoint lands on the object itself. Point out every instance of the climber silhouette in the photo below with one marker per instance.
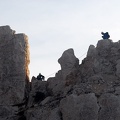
(105, 35)
(40, 77)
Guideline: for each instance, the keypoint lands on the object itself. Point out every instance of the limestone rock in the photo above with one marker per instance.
(14, 60)
(91, 51)
(117, 90)
(46, 100)
(6, 30)
(118, 68)
(38, 85)
(110, 107)
(89, 91)
(38, 92)
(83, 107)
(45, 113)
(103, 46)
(68, 62)
(55, 114)
(8, 112)
(14, 73)
(56, 84)
(69, 65)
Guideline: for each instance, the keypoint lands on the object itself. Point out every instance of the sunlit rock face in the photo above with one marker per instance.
(14, 60)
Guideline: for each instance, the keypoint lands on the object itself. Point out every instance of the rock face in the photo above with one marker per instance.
(89, 91)
(14, 73)
(68, 62)
(83, 107)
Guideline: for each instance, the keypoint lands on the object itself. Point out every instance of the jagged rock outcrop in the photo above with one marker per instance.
(83, 107)
(14, 73)
(89, 91)
(68, 62)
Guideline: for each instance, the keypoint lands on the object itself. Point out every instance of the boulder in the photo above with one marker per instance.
(68, 62)
(38, 92)
(109, 107)
(82, 107)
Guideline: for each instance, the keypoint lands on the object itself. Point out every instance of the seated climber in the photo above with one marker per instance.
(40, 77)
(105, 35)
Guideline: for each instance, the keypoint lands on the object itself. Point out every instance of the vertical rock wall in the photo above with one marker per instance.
(14, 73)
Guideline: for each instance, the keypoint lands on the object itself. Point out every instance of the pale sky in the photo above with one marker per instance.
(54, 26)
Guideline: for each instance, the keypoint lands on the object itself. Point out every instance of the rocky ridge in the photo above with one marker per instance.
(86, 91)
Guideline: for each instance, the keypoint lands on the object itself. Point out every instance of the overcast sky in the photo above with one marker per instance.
(54, 26)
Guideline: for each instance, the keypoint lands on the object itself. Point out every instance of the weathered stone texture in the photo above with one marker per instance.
(68, 62)
(38, 89)
(7, 112)
(89, 91)
(69, 65)
(82, 107)
(14, 60)
(109, 107)
(14, 72)
(44, 114)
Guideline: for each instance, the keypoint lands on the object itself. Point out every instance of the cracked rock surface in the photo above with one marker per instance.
(89, 91)
(86, 91)
(14, 60)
